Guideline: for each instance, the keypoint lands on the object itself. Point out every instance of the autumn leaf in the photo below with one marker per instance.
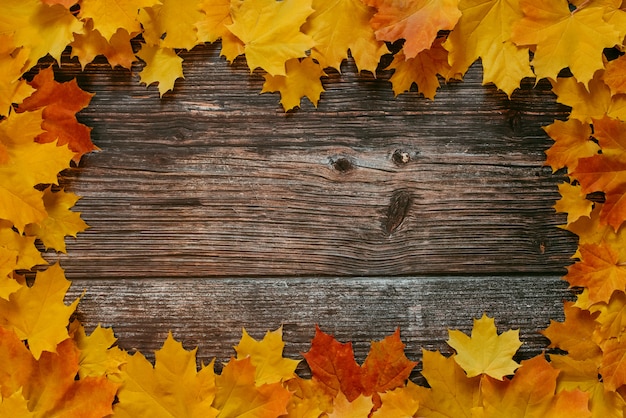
(98, 355)
(302, 80)
(421, 70)
(237, 393)
(60, 103)
(416, 21)
(110, 15)
(359, 407)
(573, 202)
(484, 31)
(16, 363)
(270, 31)
(486, 352)
(309, 399)
(572, 141)
(267, 357)
(60, 221)
(613, 367)
(401, 402)
(591, 230)
(38, 313)
(163, 66)
(213, 26)
(532, 393)
(117, 50)
(611, 317)
(554, 31)
(332, 363)
(171, 23)
(451, 393)
(172, 388)
(27, 255)
(575, 334)
(615, 75)
(13, 60)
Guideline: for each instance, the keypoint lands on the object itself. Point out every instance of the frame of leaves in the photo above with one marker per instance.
(52, 367)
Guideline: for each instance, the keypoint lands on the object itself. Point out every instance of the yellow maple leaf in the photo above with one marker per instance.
(402, 402)
(573, 202)
(16, 362)
(583, 375)
(421, 70)
(213, 26)
(613, 367)
(173, 387)
(611, 316)
(302, 79)
(270, 31)
(163, 66)
(60, 222)
(337, 26)
(98, 355)
(267, 357)
(28, 256)
(15, 406)
(38, 313)
(110, 15)
(359, 407)
(416, 21)
(172, 23)
(238, 395)
(593, 101)
(486, 352)
(117, 50)
(572, 141)
(40, 28)
(13, 89)
(451, 392)
(615, 75)
(8, 261)
(484, 31)
(555, 31)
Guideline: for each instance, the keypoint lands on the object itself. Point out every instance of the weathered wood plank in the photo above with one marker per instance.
(215, 180)
(210, 313)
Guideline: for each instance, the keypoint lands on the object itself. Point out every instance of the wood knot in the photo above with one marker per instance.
(399, 206)
(342, 164)
(401, 157)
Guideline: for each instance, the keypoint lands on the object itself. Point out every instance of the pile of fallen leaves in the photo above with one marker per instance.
(51, 367)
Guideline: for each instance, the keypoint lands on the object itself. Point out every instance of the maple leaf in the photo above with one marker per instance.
(332, 363)
(13, 89)
(309, 398)
(110, 15)
(486, 352)
(591, 230)
(38, 313)
(613, 367)
(266, 356)
(171, 23)
(60, 222)
(583, 375)
(16, 363)
(117, 50)
(26, 253)
(589, 101)
(98, 355)
(599, 271)
(60, 102)
(386, 367)
(15, 406)
(451, 393)
(401, 402)
(173, 387)
(238, 395)
(531, 393)
(270, 31)
(421, 70)
(615, 75)
(337, 26)
(575, 334)
(302, 80)
(572, 141)
(163, 66)
(556, 32)
(611, 135)
(40, 28)
(484, 31)
(416, 21)
(611, 317)
(359, 407)
(213, 26)
(573, 202)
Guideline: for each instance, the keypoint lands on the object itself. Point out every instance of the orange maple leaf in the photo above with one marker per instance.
(171, 23)
(60, 103)
(302, 79)
(416, 21)
(13, 60)
(270, 31)
(555, 32)
(591, 230)
(401, 402)
(573, 202)
(213, 26)
(599, 271)
(615, 75)
(237, 393)
(332, 363)
(572, 141)
(532, 393)
(611, 316)
(359, 407)
(485, 352)
(613, 367)
(575, 334)
(117, 50)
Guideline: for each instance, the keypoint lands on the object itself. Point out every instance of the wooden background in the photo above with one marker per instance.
(212, 210)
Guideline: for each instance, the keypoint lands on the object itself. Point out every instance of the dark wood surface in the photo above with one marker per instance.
(211, 210)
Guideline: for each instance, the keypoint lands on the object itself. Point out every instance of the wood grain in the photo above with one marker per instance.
(216, 180)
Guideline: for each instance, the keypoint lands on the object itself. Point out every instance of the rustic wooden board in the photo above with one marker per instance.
(210, 313)
(216, 180)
